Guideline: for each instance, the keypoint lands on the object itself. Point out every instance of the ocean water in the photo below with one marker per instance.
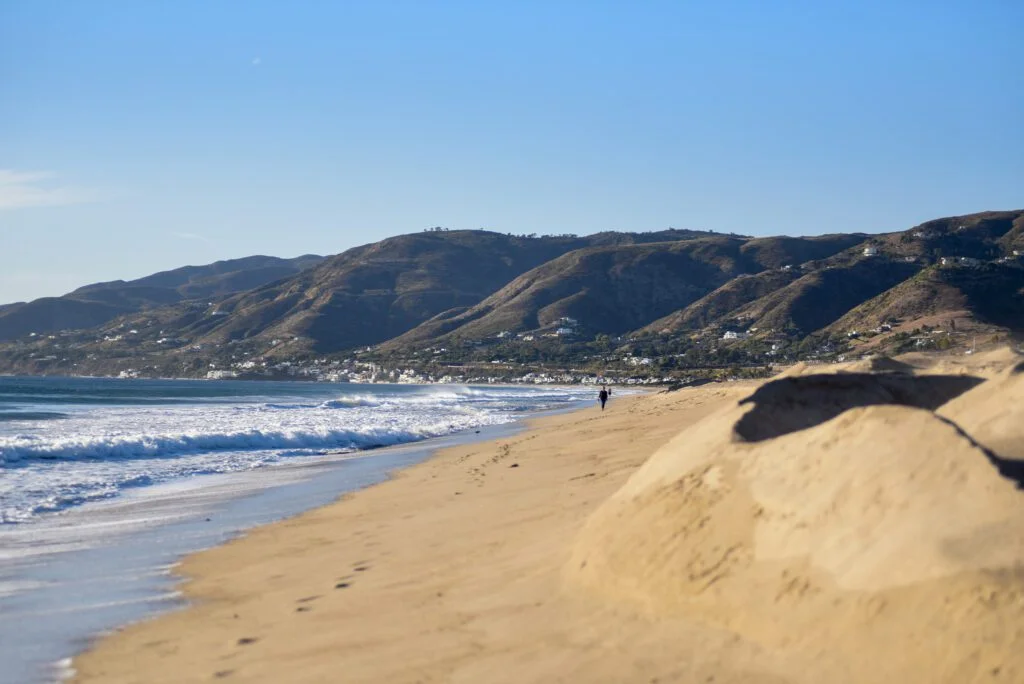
(66, 442)
(106, 483)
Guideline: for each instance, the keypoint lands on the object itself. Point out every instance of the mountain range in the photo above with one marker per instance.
(436, 289)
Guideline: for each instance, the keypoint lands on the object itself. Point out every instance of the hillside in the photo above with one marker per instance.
(825, 295)
(94, 305)
(606, 289)
(612, 290)
(446, 298)
(992, 295)
(717, 305)
(376, 292)
(781, 251)
(814, 300)
(821, 291)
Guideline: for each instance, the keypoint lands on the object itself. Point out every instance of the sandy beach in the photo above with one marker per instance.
(860, 529)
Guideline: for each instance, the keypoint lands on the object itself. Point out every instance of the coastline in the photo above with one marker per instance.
(450, 565)
(851, 526)
(126, 574)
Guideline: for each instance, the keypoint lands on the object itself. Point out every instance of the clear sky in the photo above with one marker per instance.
(137, 136)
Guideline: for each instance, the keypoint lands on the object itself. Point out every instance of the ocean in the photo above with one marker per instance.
(105, 483)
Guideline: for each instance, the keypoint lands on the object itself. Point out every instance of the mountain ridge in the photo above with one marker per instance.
(693, 295)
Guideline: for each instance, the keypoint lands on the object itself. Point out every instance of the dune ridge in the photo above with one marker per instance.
(871, 523)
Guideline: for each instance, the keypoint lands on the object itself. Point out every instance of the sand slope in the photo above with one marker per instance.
(879, 543)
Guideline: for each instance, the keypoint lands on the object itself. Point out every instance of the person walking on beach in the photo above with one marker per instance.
(602, 397)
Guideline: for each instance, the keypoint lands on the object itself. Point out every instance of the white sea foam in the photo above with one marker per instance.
(99, 450)
(128, 446)
(134, 450)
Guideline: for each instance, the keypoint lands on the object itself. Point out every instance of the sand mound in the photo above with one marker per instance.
(880, 544)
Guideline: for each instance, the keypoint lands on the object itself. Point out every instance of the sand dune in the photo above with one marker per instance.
(876, 543)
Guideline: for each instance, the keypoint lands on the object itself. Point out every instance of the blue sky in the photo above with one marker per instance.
(141, 136)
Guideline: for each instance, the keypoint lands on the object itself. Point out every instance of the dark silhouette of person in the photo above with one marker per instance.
(602, 397)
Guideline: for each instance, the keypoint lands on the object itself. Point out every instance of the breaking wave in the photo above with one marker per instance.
(99, 450)
(155, 446)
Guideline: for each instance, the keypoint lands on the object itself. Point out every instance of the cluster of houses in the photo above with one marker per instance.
(950, 261)
(563, 327)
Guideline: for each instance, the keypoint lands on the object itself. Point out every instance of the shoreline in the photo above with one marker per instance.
(275, 575)
(151, 532)
(855, 526)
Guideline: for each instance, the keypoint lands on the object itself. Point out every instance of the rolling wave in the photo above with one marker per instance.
(60, 454)
(24, 448)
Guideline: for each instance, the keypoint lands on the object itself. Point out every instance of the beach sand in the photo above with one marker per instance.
(807, 534)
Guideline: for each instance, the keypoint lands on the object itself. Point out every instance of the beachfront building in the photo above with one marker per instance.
(870, 251)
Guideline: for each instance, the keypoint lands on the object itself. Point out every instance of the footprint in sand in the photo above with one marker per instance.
(307, 599)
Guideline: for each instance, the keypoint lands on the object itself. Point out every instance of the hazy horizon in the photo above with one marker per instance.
(147, 137)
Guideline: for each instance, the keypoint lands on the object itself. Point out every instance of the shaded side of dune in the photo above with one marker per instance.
(797, 403)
